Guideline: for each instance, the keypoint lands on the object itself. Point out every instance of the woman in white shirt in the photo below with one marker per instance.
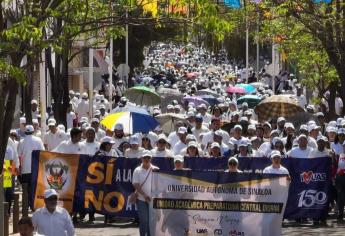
(276, 167)
(233, 166)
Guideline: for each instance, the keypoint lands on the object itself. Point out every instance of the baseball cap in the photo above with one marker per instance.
(341, 131)
(233, 159)
(275, 153)
(193, 144)
(162, 137)
(321, 137)
(97, 113)
(84, 95)
(319, 114)
(146, 153)
(330, 129)
(95, 120)
(275, 140)
(22, 120)
(312, 127)
(118, 126)
(51, 122)
(107, 139)
(190, 114)
(29, 129)
(50, 193)
(199, 118)
(267, 124)
(252, 127)
(134, 140)
(215, 144)
(33, 101)
(178, 158)
(34, 121)
(289, 125)
(302, 136)
(274, 132)
(280, 119)
(182, 130)
(243, 143)
(191, 137)
(238, 127)
(303, 127)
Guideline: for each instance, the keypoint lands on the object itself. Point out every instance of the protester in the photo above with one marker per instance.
(26, 227)
(72, 146)
(161, 149)
(142, 177)
(52, 220)
(105, 148)
(233, 166)
(276, 167)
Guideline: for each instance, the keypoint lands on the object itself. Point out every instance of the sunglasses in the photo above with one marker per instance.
(146, 158)
(162, 142)
(232, 164)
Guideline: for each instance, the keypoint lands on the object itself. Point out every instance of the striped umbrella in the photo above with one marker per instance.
(132, 122)
(276, 106)
(142, 95)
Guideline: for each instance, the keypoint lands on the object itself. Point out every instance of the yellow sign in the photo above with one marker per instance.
(7, 174)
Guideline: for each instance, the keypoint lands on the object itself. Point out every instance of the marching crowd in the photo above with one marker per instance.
(223, 129)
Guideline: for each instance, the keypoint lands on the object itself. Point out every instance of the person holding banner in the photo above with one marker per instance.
(340, 185)
(141, 181)
(233, 166)
(276, 167)
(105, 149)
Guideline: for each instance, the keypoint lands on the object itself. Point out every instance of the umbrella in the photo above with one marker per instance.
(142, 95)
(210, 99)
(168, 120)
(196, 100)
(192, 75)
(257, 84)
(130, 109)
(252, 100)
(133, 122)
(247, 87)
(232, 89)
(207, 92)
(278, 105)
(168, 92)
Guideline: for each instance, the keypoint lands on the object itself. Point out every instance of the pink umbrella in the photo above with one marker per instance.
(192, 75)
(232, 89)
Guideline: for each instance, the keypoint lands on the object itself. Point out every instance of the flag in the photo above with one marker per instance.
(233, 3)
(321, 1)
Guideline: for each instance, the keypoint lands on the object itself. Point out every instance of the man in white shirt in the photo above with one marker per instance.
(99, 132)
(208, 137)
(134, 151)
(28, 144)
(72, 146)
(338, 105)
(302, 151)
(161, 149)
(173, 136)
(52, 220)
(83, 106)
(119, 135)
(90, 146)
(321, 150)
(301, 98)
(182, 143)
(199, 128)
(70, 116)
(276, 167)
(54, 136)
(142, 178)
(34, 109)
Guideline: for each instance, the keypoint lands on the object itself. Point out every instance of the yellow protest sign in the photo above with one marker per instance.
(7, 174)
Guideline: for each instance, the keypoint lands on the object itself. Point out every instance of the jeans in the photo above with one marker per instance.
(143, 212)
(340, 186)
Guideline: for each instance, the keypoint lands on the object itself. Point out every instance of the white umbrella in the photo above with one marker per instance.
(168, 121)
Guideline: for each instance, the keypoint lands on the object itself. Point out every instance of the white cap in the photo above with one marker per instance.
(243, 143)
(182, 130)
(134, 140)
(252, 127)
(341, 131)
(191, 137)
(238, 127)
(280, 119)
(231, 159)
(275, 140)
(303, 127)
(146, 153)
(95, 120)
(170, 107)
(84, 119)
(275, 153)
(33, 101)
(71, 92)
(215, 144)
(51, 122)
(162, 137)
(118, 126)
(178, 158)
(193, 144)
(274, 132)
(29, 129)
(49, 193)
(190, 114)
(97, 113)
(84, 95)
(289, 125)
(107, 139)
(330, 129)
(313, 127)
(321, 137)
(267, 124)
(22, 120)
(332, 123)
(34, 121)
(302, 136)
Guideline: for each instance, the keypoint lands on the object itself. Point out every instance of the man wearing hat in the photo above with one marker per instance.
(119, 135)
(182, 143)
(161, 149)
(90, 146)
(54, 136)
(233, 166)
(52, 220)
(199, 127)
(142, 178)
(135, 151)
(276, 167)
(173, 137)
(178, 163)
(34, 109)
(22, 127)
(71, 117)
(99, 132)
(72, 146)
(83, 107)
(302, 150)
(321, 150)
(208, 137)
(28, 144)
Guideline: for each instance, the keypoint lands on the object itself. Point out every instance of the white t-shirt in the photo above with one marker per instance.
(25, 148)
(139, 176)
(179, 147)
(100, 134)
(198, 132)
(338, 106)
(69, 147)
(337, 147)
(265, 149)
(83, 109)
(271, 170)
(208, 137)
(302, 100)
(165, 153)
(296, 152)
(131, 153)
(53, 140)
(89, 148)
(173, 138)
(316, 153)
(70, 116)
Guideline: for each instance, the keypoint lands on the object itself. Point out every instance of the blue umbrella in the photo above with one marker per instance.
(130, 109)
(252, 100)
(210, 99)
(248, 87)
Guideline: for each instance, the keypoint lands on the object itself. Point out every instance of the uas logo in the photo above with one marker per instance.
(310, 176)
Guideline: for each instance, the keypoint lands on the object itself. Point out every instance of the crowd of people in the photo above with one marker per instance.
(202, 134)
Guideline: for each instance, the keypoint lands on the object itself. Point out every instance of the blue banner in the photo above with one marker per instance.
(103, 184)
